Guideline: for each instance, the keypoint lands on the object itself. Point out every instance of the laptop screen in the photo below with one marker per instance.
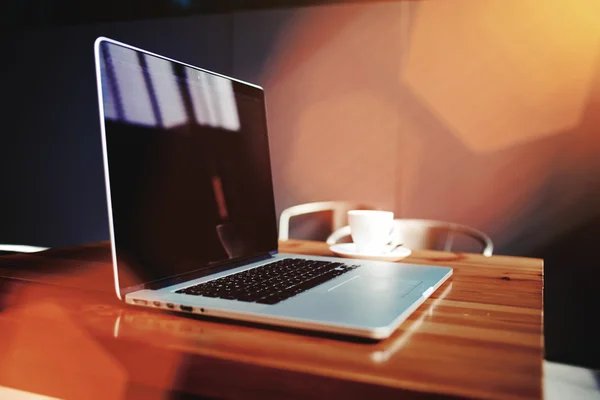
(188, 165)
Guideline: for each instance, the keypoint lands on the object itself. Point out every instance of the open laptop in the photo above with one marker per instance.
(192, 214)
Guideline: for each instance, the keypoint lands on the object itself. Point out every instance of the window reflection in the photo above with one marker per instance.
(169, 103)
(213, 100)
(110, 107)
(145, 90)
(131, 91)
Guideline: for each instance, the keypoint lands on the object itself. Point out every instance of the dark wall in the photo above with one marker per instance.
(51, 170)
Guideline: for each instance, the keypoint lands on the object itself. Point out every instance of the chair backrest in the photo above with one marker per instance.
(426, 234)
(339, 219)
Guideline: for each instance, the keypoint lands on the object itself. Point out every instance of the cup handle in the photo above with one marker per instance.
(395, 239)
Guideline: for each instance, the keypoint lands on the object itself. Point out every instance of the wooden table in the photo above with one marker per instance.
(66, 336)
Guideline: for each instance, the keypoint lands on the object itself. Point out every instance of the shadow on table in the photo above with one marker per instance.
(571, 296)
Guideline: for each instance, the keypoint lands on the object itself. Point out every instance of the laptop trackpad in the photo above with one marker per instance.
(374, 286)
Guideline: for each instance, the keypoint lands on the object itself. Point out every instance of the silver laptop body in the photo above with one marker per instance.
(190, 202)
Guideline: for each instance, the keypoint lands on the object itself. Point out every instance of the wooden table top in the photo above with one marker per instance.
(64, 334)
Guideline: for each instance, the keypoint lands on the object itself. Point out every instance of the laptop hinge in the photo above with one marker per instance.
(199, 273)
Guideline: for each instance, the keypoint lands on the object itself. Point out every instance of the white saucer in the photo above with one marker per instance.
(348, 250)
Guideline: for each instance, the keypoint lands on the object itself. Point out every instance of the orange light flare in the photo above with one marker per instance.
(52, 345)
(508, 97)
(501, 73)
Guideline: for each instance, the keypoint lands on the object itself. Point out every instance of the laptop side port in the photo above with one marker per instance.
(186, 308)
(156, 303)
(170, 305)
(138, 301)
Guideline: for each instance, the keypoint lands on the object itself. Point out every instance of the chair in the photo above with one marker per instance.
(339, 208)
(415, 233)
(426, 234)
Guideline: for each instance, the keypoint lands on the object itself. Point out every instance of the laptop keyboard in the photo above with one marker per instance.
(271, 283)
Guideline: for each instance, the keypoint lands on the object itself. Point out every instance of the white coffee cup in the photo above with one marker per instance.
(371, 230)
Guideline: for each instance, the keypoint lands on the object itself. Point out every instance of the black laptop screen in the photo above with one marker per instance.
(188, 164)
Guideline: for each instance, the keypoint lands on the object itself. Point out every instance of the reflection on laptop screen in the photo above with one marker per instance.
(188, 163)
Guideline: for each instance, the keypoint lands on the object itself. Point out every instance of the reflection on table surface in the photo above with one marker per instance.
(479, 334)
(134, 323)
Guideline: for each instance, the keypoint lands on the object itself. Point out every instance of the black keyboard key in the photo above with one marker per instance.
(210, 294)
(247, 299)
(269, 300)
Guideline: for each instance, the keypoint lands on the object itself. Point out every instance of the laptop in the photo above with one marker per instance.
(192, 214)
